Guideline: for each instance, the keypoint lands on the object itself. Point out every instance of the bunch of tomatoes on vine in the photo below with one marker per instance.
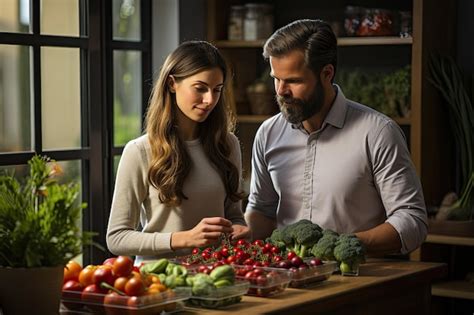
(257, 254)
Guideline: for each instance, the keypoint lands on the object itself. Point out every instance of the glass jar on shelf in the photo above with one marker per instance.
(251, 21)
(267, 20)
(236, 23)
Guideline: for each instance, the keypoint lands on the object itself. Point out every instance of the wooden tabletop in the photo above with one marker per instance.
(375, 277)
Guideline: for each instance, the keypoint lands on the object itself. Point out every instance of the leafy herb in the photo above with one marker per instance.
(39, 219)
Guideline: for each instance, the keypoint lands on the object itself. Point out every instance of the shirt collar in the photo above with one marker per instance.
(337, 113)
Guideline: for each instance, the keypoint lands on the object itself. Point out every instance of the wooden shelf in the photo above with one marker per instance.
(342, 41)
(449, 240)
(252, 118)
(374, 40)
(454, 289)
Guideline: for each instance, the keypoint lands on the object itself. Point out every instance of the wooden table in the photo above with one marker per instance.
(383, 287)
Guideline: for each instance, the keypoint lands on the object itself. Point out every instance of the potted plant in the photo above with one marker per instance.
(39, 234)
(446, 77)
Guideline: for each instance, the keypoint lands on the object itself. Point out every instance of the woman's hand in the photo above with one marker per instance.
(205, 232)
(240, 231)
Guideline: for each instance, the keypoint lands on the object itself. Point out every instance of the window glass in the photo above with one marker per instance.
(15, 106)
(60, 97)
(15, 16)
(60, 17)
(126, 20)
(127, 96)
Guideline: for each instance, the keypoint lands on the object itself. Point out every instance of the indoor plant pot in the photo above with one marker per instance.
(38, 236)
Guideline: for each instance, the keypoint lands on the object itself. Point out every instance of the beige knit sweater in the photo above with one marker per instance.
(140, 225)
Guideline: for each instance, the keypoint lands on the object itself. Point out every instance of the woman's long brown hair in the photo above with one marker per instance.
(170, 162)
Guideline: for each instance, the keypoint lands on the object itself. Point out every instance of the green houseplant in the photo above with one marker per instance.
(446, 77)
(39, 234)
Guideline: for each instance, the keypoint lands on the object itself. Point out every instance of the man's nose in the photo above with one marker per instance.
(282, 89)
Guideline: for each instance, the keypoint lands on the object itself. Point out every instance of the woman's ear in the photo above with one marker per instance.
(172, 84)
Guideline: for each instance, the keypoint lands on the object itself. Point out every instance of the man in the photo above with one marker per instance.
(325, 158)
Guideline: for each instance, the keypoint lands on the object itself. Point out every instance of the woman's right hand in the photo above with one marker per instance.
(207, 231)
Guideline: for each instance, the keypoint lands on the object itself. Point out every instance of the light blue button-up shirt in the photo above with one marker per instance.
(351, 175)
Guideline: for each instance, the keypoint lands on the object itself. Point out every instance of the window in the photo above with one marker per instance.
(75, 77)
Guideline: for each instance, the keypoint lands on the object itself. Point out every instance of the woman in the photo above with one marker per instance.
(177, 186)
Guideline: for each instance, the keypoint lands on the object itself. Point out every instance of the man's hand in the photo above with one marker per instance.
(240, 231)
(260, 225)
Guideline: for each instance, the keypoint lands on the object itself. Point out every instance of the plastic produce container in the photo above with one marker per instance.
(164, 302)
(222, 297)
(264, 281)
(312, 274)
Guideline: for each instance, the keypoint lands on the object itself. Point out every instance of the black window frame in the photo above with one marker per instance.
(97, 151)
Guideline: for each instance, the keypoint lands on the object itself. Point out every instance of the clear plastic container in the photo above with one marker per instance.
(264, 281)
(222, 297)
(112, 303)
(312, 274)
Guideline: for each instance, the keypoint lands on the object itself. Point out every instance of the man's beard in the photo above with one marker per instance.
(297, 110)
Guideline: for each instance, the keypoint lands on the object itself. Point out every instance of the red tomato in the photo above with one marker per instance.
(196, 251)
(242, 243)
(290, 255)
(85, 276)
(109, 261)
(93, 294)
(103, 275)
(258, 243)
(74, 287)
(275, 250)
(71, 271)
(123, 266)
(230, 260)
(225, 251)
(120, 283)
(135, 287)
(216, 255)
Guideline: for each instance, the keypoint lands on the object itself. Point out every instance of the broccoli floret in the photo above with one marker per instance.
(324, 248)
(277, 238)
(350, 252)
(306, 236)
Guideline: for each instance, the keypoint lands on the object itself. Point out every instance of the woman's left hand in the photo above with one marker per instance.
(240, 231)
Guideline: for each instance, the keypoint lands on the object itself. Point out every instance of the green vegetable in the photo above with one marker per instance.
(299, 237)
(324, 248)
(223, 272)
(305, 237)
(349, 251)
(155, 267)
(202, 285)
(222, 283)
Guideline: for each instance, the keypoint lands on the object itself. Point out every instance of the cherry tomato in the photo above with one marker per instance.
(230, 260)
(71, 271)
(290, 255)
(102, 274)
(73, 287)
(242, 243)
(85, 276)
(93, 293)
(216, 255)
(196, 251)
(135, 287)
(123, 266)
(258, 243)
(120, 283)
(109, 261)
(225, 252)
(275, 250)
(206, 255)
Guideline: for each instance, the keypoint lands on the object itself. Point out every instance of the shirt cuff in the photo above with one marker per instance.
(411, 230)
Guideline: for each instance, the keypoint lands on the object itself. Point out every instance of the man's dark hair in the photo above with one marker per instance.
(314, 38)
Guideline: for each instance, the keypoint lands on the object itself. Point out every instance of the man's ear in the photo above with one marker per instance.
(171, 84)
(327, 73)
